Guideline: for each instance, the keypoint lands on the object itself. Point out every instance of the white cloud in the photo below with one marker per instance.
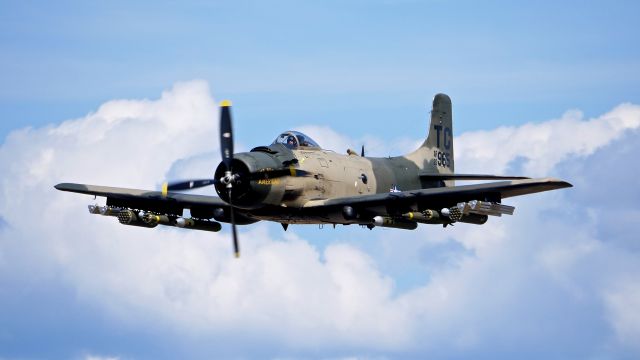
(623, 305)
(508, 280)
(543, 145)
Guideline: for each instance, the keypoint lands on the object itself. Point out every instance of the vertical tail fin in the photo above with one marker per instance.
(436, 153)
(440, 129)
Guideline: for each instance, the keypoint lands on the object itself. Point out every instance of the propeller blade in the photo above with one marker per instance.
(362, 151)
(236, 246)
(226, 133)
(226, 147)
(190, 184)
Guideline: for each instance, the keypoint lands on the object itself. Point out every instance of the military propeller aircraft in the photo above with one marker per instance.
(295, 181)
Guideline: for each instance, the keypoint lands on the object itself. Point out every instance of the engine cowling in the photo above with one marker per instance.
(252, 194)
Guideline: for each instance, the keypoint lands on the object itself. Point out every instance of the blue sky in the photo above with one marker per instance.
(123, 94)
(334, 62)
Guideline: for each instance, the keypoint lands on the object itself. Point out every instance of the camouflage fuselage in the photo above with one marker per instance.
(319, 175)
(338, 175)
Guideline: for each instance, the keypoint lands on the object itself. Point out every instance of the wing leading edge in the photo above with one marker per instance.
(172, 203)
(367, 207)
(126, 194)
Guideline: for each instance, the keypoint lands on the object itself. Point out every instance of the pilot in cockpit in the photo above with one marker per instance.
(303, 141)
(292, 143)
(294, 140)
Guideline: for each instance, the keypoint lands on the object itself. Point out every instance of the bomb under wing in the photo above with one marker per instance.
(150, 220)
(295, 181)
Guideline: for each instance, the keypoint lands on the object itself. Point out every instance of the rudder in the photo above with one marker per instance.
(435, 155)
(439, 140)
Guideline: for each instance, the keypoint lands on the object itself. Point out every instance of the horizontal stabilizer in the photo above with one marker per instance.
(433, 176)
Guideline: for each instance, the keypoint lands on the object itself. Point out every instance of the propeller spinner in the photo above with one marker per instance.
(226, 149)
(227, 179)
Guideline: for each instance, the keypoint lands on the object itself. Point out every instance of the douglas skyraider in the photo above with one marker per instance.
(295, 181)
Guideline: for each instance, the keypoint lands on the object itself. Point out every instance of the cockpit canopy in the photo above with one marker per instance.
(295, 139)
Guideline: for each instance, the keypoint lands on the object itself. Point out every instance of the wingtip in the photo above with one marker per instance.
(63, 186)
(561, 183)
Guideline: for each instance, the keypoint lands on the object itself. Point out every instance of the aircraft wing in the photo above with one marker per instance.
(438, 198)
(171, 203)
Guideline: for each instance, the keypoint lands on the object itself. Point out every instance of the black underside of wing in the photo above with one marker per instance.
(437, 198)
(200, 206)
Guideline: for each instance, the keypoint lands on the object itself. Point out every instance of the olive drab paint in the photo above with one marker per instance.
(348, 174)
(298, 182)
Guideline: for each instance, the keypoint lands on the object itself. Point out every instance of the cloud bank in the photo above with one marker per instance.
(556, 280)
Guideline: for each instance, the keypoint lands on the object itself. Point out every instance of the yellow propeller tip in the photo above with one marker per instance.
(165, 189)
(225, 103)
(237, 255)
